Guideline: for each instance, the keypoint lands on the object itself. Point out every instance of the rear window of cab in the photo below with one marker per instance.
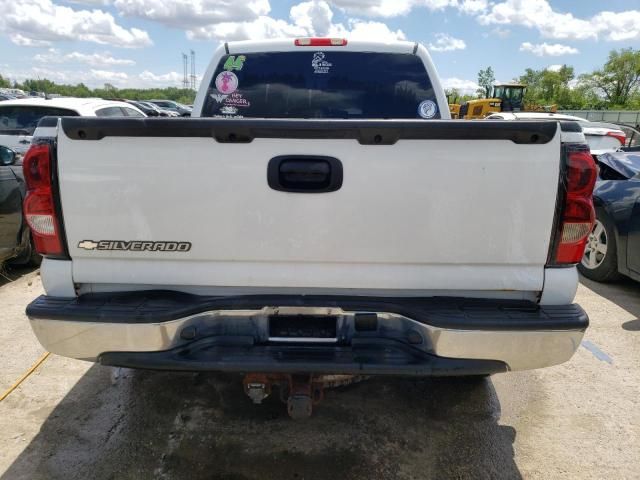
(321, 84)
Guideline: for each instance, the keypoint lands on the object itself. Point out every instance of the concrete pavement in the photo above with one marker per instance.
(75, 420)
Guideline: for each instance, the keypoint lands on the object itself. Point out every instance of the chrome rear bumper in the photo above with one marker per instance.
(517, 335)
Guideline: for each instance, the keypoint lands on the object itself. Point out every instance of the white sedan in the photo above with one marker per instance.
(19, 118)
(601, 137)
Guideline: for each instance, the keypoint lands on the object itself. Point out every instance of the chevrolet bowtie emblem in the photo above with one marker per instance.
(88, 245)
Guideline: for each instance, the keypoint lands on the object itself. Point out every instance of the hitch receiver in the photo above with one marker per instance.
(299, 392)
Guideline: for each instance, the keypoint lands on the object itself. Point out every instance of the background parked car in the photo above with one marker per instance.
(161, 111)
(182, 110)
(6, 96)
(146, 109)
(613, 247)
(601, 137)
(15, 239)
(19, 118)
(13, 92)
(633, 136)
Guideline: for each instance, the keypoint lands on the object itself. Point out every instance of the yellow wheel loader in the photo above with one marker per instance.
(454, 106)
(507, 97)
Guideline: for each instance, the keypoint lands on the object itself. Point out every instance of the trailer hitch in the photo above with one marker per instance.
(299, 392)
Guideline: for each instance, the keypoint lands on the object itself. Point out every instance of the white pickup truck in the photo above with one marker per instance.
(323, 215)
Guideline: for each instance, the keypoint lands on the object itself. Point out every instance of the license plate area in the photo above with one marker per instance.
(303, 328)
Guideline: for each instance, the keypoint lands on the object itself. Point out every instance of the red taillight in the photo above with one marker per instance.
(320, 42)
(39, 208)
(618, 135)
(578, 214)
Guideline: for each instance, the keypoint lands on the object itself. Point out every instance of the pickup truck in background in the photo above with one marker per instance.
(321, 217)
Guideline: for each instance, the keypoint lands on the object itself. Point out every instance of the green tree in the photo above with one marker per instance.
(486, 79)
(634, 101)
(452, 94)
(108, 91)
(619, 79)
(548, 87)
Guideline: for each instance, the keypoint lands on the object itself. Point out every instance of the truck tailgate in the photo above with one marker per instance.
(422, 206)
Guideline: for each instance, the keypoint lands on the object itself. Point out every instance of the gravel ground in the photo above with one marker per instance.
(75, 420)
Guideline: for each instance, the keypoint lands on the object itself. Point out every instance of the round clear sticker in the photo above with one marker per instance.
(226, 82)
(427, 109)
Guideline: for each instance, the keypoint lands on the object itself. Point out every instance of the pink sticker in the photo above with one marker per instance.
(226, 82)
(237, 100)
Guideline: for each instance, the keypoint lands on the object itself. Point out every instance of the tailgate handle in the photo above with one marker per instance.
(304, 174)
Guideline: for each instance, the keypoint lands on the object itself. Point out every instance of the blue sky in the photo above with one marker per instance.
(139, 42)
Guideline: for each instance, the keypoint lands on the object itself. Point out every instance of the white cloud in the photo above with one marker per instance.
(447, 43)
(312, 18)
(473, 6)
(94, 59)
(96, 78)
(246, 18)
(540, 15)
(394, 8)
(548, 50)
(23, 41)
(618, 26)
(171, 77)
(260, 28)
(189, 14)
(361, 30)
(554, 68)
(463, 86)
(41, 22)
(92, 77)
(92, 3)
(315, 16)
(376, 8)
(149, 79)
(107, 76)
(437, 4)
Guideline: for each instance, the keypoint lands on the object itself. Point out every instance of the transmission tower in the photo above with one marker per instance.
(185, 62)
(193, 70)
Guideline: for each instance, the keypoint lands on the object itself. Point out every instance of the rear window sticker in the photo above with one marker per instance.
(234, 63)
(320, 64)
(218, 97)
(427, 109)
(237, 100)
(228, 110)
(226, 82)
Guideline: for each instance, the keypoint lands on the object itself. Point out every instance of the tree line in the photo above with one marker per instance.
(614, 86)
(182, 95)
